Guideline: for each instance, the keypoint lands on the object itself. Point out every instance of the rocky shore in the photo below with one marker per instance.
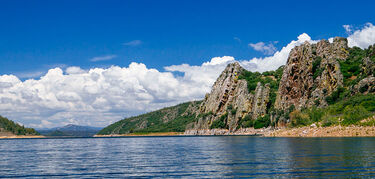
(310, 131)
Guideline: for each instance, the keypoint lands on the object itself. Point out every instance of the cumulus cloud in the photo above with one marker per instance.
(74, 70)
(103, 58)
(362, 38)
(97, 97)
(267, 49)
(133, 43)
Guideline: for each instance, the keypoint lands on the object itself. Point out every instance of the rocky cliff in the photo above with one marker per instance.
(321, 84)
(311, 74)
(230, 101)
(315, 76)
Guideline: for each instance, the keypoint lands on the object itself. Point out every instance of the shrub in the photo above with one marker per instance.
(353, 115)
(230, 107)
(262, 122)
(315, 114)
(297, 118)
(233, 111)
(336, 95)
(317, 71)
(329, 121)
(247, 121)
(220, 123)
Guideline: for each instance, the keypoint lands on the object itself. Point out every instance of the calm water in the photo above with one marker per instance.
(191, 157)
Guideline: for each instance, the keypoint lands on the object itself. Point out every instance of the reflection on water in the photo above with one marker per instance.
(239, 156)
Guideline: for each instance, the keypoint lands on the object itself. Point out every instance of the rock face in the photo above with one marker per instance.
(366, 85)
(230, 97)
(312, 72)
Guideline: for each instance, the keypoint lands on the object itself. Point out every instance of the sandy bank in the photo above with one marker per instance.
(21, 136)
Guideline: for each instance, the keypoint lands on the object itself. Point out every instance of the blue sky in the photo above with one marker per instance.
(38, 35)
(95, 62)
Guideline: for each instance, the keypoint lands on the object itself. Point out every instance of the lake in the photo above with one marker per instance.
(190, 157)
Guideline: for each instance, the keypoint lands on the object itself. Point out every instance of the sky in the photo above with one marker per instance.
(96, 62)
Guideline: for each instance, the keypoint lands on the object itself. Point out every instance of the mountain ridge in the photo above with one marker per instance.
(70, 130)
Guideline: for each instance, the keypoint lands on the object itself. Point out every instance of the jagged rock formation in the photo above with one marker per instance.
(366, 85)
(315, 75)
(312, 72)
(231, 98)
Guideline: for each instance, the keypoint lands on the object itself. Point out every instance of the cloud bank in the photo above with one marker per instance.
(101, 96)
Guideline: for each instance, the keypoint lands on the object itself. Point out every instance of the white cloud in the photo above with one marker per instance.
(267, 49)
(74, 70)
(362, 38)
(103, 58)
(95, 97)
(133, 43)
(348, 28)
(31, 74)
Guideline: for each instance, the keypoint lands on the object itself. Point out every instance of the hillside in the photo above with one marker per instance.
(170, 119)
(70, 130)
(324, 84)
(8, 127)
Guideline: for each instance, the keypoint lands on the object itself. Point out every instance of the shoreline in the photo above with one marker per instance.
(22, 136)
(306, 131)
(142, 134)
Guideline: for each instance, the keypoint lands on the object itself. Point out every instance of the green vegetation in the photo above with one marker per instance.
(171, 119)
(351, 67)
(339, 94)
(246, 122)
(346, 111)
(263, 121)
(220, 123)
(271, 77)
(10, 126)
(260, 122)
(316, 69)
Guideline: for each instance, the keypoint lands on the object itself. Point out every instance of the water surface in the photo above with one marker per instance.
(198, 157)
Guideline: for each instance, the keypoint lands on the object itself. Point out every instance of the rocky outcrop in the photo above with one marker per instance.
(366, 85)
(312, 72)
(230, 97)
(368, 66)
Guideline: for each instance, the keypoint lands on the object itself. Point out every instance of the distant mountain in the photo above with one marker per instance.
(170, 119)
(8, 127)
(71, 130)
